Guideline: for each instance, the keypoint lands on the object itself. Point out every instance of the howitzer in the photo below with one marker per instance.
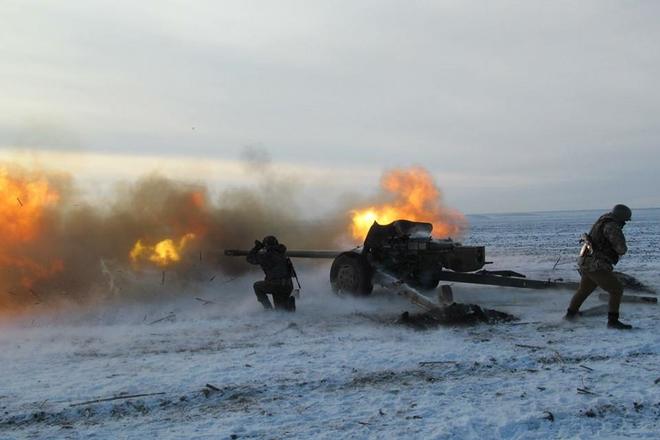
(407, 251)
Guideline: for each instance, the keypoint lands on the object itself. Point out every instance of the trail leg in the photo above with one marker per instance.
(445, 295)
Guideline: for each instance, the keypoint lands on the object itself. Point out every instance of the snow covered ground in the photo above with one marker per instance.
(341, 368)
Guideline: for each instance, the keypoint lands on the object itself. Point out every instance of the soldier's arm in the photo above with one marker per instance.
(615, 235)
(254, 257)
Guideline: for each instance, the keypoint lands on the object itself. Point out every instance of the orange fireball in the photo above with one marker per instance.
(24, 199)
(413, 195)
(22, 203)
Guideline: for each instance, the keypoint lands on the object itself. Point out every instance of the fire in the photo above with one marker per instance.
(413, 196)
(24, 200)
(164, 253)
(22, 204)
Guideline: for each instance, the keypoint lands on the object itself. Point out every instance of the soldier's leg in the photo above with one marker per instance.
(609, 283)
(261, 290)
(281, 298)
(586, 287)
(280, 301)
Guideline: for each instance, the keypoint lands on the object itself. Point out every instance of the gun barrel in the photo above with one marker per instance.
(289, 253)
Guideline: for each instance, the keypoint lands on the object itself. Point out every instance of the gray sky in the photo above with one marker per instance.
(512, 106)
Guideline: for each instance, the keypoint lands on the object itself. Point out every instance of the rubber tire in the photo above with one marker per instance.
(351, 273)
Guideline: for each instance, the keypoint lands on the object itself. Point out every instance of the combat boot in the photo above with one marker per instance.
(291, 304)
(572, 315)
(613, 322)
(266, 303)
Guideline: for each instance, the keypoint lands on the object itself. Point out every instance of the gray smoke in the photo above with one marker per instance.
(81, 253)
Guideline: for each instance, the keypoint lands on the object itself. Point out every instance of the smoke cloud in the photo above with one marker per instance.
(157, 237)
(56, 247)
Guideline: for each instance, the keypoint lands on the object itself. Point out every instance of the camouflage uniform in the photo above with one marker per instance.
(608, 244)
(277, 268)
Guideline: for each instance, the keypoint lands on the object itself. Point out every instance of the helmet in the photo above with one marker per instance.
(270, 240)
(622, 213)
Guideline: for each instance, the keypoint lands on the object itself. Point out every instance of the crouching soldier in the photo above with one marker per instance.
(601, 250)
(271, 256)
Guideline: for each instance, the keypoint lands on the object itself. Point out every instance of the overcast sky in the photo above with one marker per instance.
(512, 106)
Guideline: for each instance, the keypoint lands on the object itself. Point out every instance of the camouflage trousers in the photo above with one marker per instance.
(280, 289)
(603, 279)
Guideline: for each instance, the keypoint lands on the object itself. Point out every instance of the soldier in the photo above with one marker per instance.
(271, 256)
(603, 247)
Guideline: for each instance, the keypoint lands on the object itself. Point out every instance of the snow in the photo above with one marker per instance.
(341, 367)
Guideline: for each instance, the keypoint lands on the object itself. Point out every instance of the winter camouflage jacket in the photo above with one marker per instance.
(608, 243)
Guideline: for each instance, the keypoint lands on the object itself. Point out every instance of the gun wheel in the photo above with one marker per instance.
(350, 273)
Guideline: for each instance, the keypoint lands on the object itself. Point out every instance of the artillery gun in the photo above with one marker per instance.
(405, 251)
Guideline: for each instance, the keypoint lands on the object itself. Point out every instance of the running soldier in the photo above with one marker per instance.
(602, 248)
